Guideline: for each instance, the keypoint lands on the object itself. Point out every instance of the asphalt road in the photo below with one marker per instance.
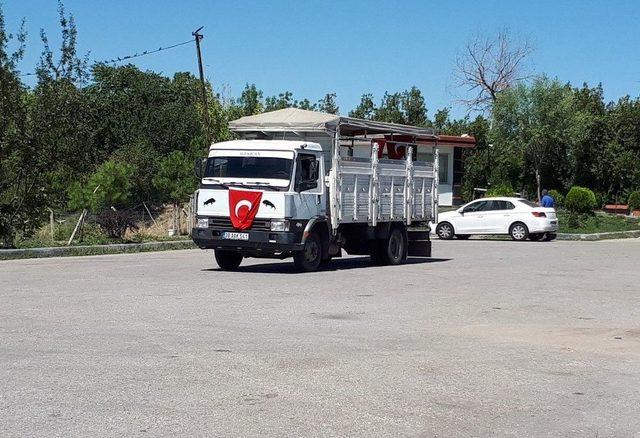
(491, 338)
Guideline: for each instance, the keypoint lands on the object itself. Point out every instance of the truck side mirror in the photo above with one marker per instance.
(199, 167)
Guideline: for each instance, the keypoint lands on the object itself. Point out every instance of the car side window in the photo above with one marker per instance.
(508, 205)
(492, 205)
(476, 206)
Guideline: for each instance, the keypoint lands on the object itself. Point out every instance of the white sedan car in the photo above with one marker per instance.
(519, 218)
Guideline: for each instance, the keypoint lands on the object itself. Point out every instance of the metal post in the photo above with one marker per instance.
(408, 188)
(375, 188)
(205, 108)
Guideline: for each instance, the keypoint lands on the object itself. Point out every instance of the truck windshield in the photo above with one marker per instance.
(250, 168)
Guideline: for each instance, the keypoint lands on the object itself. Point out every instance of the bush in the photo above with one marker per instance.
(502, 189)
(634, 200)
(580, 200)
(116, 223)
(557, 197)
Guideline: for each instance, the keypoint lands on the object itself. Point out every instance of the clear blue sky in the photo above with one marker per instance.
(348, 47)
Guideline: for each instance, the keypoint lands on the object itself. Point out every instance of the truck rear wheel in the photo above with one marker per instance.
(392, 250)
(308, 260)
(228, 260)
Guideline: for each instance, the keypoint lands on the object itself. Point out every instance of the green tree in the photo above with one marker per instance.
(390, 109)
(532, 132)
(365, 109)
(413, 106)
(21, 178)
(328, 104)
(281, 101)
(111, 185)
(250, 100)
(68, 66)
(175, 181)
(305, 104)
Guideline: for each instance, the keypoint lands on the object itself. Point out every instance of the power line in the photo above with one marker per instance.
(132, 56)
(146, 52)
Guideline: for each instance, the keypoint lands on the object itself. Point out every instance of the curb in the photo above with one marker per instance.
(600, 236)
(118, 248)
(568, 236)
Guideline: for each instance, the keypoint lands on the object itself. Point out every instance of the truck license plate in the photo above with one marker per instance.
(235, 236)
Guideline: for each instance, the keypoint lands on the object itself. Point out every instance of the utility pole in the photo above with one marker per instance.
(205, 109)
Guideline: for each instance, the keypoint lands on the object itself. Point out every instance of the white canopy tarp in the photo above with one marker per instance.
(288, 119)
(299, 120)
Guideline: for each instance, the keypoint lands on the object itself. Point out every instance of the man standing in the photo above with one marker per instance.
(547, 200)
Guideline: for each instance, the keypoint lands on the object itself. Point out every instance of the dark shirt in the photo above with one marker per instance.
(547, 201)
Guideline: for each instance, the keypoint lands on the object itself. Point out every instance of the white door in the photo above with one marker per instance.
(497, 216)
(309, 198)
(470, 221)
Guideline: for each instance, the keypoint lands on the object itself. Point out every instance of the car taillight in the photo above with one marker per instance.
(538, 214)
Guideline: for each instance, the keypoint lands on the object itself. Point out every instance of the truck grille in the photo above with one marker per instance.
(224, 223)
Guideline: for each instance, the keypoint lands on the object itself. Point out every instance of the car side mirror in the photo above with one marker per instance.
(198, 167)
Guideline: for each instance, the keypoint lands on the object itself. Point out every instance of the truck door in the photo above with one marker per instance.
(309, 186)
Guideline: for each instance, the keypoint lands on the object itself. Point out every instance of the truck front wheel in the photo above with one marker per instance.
(308, 260)
(228, 260)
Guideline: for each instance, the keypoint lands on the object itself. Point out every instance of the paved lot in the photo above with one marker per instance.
(493, 338)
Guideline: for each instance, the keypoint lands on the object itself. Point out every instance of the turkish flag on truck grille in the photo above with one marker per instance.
(243, 207)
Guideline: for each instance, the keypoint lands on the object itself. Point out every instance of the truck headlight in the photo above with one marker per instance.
(203, 222)
(279, 225)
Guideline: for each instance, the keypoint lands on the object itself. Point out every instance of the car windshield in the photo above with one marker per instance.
(250, 168)
(527, 202)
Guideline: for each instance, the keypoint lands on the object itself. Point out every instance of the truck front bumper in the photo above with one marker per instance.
(267, 242)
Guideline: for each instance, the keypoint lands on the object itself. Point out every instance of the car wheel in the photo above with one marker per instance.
(550, 236)
(535, 236)
(462, 236)
(228, 260)
(308, 260)
(444, 230)
(519, 231)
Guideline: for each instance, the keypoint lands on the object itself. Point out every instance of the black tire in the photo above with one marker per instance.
(463, 236)
(444, 230)
(518, 231)
(550, 236)
(393, 249)
(535, 236)
(308, 260)
(228, 260)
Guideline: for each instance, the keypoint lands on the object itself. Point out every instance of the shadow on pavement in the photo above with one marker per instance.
(338, 264)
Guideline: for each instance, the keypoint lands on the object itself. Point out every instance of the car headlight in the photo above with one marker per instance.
(203, 222)
(279, 225)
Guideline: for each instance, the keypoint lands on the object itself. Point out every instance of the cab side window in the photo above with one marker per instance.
(307, 170)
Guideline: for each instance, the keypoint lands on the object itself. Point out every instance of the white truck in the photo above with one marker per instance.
(307, 185)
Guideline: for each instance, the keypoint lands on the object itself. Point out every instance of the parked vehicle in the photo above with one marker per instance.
(291, 188)
(517, 217)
